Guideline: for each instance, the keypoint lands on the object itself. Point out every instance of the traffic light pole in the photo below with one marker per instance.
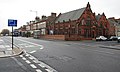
(12, 37)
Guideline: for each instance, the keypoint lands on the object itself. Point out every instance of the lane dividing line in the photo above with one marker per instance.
(48, 70)
(41, 65)
(35, 61)
(24, 58)
(33, 66)
(21, 55)
(27, 55)
(33, 51)
(19, 63)
(38, 70)
(32, 58)
(103, 52)
(27, 61)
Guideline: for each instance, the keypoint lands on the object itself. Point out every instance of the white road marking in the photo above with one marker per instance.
(35, 61)
(48, 70)
(103, 52)
(41, 47)
(38, 70)
(7, 46)
(21, 55)
(24, 58)
(33, 51)
(19, 63)
(2, 46)
(41, 65)
(27, 55)
(27, 61)
(31, 57)
(31, 43)
(33, 66)
(1, 40)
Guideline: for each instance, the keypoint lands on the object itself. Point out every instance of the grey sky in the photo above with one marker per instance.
(20, 9)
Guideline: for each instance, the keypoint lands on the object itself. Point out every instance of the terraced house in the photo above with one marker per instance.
(103, 28)
(114, 26)
(80, 24)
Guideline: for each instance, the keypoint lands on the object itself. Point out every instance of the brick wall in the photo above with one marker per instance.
(64, 37)
(55, 37)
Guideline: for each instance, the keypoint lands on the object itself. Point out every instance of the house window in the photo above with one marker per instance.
(86, 33)
(79, 31)
(61, 31)
(73, 30)
(101, 25)
(83, 21)
(66, 31)
(88, 21)
(106, 25)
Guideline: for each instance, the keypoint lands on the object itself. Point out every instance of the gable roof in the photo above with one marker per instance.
(72, 15)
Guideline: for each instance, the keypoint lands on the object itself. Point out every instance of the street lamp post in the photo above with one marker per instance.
(35, 12)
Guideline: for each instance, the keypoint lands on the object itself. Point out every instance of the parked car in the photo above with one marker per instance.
(101, 38)
(118, 39)
(113, 38)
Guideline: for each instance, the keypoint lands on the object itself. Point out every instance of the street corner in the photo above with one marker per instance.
(17, 51)
(11, 53)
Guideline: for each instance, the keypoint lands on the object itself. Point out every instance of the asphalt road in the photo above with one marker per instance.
(69, 56)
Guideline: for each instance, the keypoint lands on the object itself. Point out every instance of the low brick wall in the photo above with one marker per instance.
(56, 37)
(65, 37)
(72, 37)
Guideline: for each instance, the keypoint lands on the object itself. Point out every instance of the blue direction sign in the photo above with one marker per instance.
(12, 22)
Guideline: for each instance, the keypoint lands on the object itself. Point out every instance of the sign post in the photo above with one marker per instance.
(12, 23)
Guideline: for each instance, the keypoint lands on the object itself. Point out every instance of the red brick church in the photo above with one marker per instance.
(79, 24)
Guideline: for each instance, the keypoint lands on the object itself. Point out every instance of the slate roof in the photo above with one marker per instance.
(72, 15)
(112, 22)
(98, 17)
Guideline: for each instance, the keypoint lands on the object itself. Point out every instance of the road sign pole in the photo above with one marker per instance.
(12, 22)
(12, 37)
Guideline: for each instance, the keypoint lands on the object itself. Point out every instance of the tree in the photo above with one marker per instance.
(5, 31)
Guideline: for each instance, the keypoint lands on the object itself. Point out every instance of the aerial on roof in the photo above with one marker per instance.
(72, 15)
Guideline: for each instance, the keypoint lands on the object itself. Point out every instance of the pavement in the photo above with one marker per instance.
(11, 52)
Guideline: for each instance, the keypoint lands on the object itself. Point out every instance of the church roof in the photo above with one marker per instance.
(72, 15)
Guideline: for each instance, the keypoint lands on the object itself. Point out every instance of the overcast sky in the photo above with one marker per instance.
(20, 9)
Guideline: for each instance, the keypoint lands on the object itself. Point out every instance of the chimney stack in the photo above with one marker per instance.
(53, 14)
(44, 17)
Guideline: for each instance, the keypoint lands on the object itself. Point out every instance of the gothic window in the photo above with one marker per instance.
(88, 21)
(106, 25)
(73, 30)
(101, 25)
(79, 31)
(83, 21)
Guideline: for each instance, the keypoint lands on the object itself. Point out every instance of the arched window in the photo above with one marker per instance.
(82, 21)
(88, 21)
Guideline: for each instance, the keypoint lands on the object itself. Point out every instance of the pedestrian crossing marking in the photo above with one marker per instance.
(33, 66)
(2, 46)
(38, 70)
